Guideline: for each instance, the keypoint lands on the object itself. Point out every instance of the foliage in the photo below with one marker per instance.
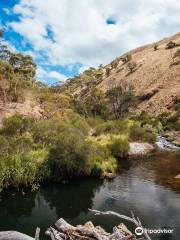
(108, 71)
(47, 132)
(22, 168)
(95, 103)
(119, 148)
(17, 72)
(171, 45)
(120, 99)
(69, 156)
(78, 122)
(101, 160)
(112, 126)
(141, 134)
(131, 66)
(16, 125)
(170, 122)
(155, 47)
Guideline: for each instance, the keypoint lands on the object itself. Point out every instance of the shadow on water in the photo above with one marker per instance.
(42, 208)
(146, 186)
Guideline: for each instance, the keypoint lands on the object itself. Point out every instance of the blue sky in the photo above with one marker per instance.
(66, 37)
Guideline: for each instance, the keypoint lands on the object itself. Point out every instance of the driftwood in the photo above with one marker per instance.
(65, 231)
(132, 219)
(88, 231)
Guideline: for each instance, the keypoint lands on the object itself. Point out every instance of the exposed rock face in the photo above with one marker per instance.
(140, 149)
(28, 108)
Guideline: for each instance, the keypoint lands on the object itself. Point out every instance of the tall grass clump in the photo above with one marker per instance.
(119, 148)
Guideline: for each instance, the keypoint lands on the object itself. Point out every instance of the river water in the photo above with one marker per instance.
(145, 186)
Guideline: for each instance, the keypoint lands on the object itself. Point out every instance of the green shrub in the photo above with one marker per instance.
(170, 122)
(16, 125)
(114, 127)
(79, 123)
(22, 168)
(140, 134)
(4, 145)
(119, 148)
(101, 160)
(69, 156)
(46, 132)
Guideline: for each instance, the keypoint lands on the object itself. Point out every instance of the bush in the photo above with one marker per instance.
(119, 148)
(79, 123)
(22, 168)
(4, 145)
(101, 160)
(115, 127)
(69, 156)
(170, 122)
(131, 66)
(16, 125)
(46, 132)
(171, 45)
(101, 168)
(140, 134)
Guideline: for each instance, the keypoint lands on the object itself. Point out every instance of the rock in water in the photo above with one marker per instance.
(13, 235)
(140, 149)
(177, 177)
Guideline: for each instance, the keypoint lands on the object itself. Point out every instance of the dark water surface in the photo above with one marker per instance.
(145, 186)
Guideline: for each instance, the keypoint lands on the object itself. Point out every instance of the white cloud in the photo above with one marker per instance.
(58, 76)
(44, 75)
(79, 29)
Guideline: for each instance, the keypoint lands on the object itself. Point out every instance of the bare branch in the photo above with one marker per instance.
(132, 220)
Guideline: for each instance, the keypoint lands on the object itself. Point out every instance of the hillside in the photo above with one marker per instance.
(155, 77)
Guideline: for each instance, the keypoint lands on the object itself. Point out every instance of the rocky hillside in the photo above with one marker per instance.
(153, 70)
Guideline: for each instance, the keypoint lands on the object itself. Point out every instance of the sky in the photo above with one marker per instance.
(66, 37)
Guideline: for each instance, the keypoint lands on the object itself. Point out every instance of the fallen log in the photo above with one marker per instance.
(132, 219)
(65, 231)
(88, 231)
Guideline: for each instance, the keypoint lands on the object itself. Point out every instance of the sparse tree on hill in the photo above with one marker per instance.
(95, 103)
(171, 45)
(155, 47)
(131, 66)
(108, 71)
(120, 98)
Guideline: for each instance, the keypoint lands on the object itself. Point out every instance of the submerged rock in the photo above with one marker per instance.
(140, 149)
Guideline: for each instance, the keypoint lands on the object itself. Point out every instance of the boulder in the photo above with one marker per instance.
(140, 149)
(177, 177)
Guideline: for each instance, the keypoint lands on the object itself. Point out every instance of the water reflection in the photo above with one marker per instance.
(72, 199)
(146, 186)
